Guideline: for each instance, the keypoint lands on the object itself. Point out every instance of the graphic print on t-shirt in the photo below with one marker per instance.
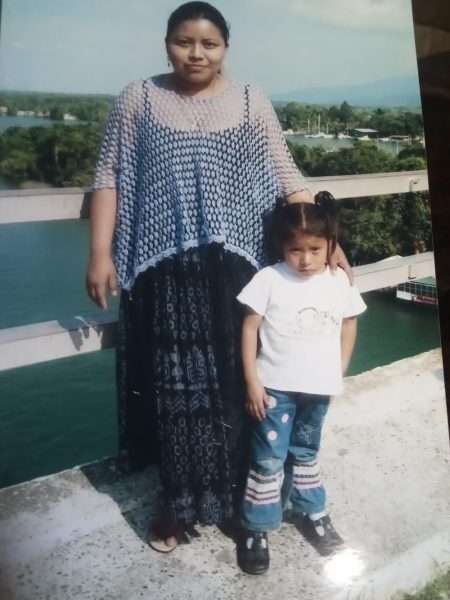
(309, 322)
(300, 347)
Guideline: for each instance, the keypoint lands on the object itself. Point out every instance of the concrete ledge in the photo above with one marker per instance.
(49, 204)
(408, 572)
(385, 460)
(40, 342)
(374, 184)
(53, 204)
(394, 270)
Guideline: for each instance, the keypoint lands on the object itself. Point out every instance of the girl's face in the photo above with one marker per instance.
(196, 50)
(306, 254)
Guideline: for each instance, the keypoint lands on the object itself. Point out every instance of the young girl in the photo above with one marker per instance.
(298, 336)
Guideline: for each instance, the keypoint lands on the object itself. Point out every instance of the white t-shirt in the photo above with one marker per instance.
(300, 333)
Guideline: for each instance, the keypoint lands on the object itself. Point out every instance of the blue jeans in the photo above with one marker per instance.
(283, 460)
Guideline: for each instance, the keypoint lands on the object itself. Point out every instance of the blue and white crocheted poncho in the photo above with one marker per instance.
(191, 171)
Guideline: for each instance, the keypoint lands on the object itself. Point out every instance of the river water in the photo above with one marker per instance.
(62, 413)
(20, 121)
(7, 122)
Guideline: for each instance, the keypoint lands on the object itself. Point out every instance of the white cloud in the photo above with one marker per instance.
(364, 14)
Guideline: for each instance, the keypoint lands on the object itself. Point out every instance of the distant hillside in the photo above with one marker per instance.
(401, 91)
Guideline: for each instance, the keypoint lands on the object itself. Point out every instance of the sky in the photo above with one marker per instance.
(98, 46)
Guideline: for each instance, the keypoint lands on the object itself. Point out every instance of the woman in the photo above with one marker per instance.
(190, 162)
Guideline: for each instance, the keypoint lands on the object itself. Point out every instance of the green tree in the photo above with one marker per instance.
(362, 158)
(294, 115)
(17, 166)
(334, 113)
(61, 155)
(56, 113)
(413, 233)
(413, 150)
(410, 163)
(346, 112)
(365, 226)
(376, 228)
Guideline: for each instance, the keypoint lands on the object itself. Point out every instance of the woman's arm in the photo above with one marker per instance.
(338, 259)
(291, 182)
(120, 131)
(348, 338)
(256, 394)
(101, 272)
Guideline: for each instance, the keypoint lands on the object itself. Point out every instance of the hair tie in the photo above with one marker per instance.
(324, 199)
(280, 202)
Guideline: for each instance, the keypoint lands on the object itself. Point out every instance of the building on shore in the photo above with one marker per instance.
(362, 133)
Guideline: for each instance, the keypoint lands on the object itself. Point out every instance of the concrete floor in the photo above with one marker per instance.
(80, 534)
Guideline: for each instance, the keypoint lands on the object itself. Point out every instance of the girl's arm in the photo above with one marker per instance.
(101, 272)
(348, 338)
(256, 395)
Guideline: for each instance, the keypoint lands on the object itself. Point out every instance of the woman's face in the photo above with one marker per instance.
(196, 50)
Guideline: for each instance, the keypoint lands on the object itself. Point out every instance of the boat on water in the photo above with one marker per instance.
(344, 136)
(421, 291)
(320, 134)
(365, 134)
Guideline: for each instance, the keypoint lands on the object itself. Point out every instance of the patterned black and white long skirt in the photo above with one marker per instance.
(180, 387)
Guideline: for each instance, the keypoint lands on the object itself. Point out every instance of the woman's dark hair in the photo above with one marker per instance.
(318, 219)
(198, 10)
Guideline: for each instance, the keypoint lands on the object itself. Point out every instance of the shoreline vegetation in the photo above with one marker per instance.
(64, 155)
(84, 107)
(439, 589)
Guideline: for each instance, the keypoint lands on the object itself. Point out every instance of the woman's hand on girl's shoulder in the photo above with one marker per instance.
(338, 259)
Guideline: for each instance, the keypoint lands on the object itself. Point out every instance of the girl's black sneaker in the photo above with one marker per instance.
(253, 552)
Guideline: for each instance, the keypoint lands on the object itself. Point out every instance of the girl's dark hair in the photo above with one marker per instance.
(198, 10)
(317, 219)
